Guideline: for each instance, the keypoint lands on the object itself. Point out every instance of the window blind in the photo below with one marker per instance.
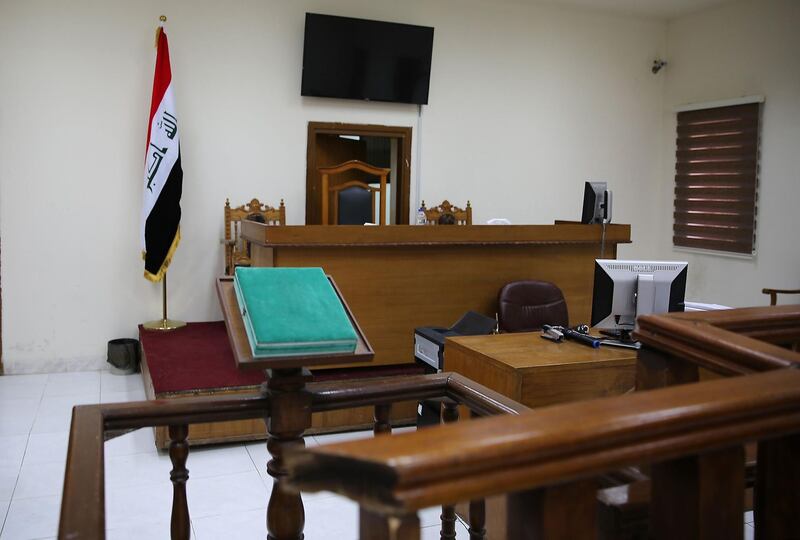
(716, 178)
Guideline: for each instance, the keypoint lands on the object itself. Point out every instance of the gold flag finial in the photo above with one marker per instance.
(160, 27)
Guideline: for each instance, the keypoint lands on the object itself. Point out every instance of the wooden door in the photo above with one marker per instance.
(326, 147)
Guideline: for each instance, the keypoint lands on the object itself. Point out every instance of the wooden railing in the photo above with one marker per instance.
(681, 348)
(727, 342)
(547, 460)
(83, 504)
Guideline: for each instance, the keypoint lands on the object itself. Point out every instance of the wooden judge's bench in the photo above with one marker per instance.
(394, 279)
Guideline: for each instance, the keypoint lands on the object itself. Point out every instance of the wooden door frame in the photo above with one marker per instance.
(403, 136)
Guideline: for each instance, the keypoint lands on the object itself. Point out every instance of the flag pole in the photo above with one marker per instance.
(164, 323)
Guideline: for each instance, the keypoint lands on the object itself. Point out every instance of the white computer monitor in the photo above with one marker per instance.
(623, 290)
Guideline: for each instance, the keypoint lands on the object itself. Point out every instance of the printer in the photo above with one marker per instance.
(429, 340)
(429, 352)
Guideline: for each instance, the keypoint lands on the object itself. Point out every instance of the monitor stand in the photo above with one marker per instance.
(619, 338)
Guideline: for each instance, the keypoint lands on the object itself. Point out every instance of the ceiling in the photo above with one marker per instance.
(663, 9)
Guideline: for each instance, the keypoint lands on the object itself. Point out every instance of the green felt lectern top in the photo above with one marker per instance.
(292, 311)
(298, 354)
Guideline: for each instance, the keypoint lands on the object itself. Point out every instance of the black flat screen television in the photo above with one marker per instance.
(367, 60)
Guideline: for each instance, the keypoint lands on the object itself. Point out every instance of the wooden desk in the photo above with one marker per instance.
(398, 277)
(537, 372)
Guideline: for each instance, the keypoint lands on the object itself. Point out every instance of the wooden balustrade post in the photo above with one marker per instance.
(655, 369)
(556, 512)
(374, 526)
(178, 453)
(777, 499)
(289, 416)
(477, 510)
(382, 424)
(477, 519)
(699, 497)
(448, 517)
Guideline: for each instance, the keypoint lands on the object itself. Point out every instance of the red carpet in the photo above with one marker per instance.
(198, 357)
(195, 357)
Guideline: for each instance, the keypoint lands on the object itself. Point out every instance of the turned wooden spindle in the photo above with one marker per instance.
(289, 417)
(563, 511)
(477, 519)
(448, 532)
(178, 452)
(776, 495)
(382, 424)
(477, 509)
(706, 491)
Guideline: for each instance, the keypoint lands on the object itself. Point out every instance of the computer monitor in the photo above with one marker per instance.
(596, 203)
(623, 290)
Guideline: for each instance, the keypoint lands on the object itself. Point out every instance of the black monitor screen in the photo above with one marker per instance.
(368, 60)
(593, 202)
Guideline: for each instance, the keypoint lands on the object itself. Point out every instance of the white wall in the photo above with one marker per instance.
(526, 103)
(741, 49)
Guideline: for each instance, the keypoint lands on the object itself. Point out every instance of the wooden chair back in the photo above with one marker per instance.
(332, 191)
(237, 250)
(773, 294)
(446, 212)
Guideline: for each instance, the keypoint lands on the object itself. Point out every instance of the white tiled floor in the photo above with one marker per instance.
(228, 488)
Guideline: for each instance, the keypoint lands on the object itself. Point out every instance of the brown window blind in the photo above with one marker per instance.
(716, 178)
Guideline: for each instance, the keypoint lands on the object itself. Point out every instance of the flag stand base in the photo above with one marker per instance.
(163, 324)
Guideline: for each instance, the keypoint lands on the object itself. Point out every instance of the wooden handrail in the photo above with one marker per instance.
(347, 394)
(82, 506)
(83, 500)
(776, 324)
(729, 342)
(555, 444)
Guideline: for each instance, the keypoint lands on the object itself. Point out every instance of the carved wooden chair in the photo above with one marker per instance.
(447, 214)
(237, 249)
(773, 294)
(353, 200)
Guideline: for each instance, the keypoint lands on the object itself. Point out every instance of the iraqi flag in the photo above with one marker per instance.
(163, 176)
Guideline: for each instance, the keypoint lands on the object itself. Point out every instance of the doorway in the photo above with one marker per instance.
(381, 146)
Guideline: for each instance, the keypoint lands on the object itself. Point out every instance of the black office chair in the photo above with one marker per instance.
(356, 206)
(524, 306)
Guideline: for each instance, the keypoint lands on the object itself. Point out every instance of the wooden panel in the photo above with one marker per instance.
(549, 387)
(393, 290)
(483, 370)
(357, 235)
(700, 497)
(401, 277)
(560, 512)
